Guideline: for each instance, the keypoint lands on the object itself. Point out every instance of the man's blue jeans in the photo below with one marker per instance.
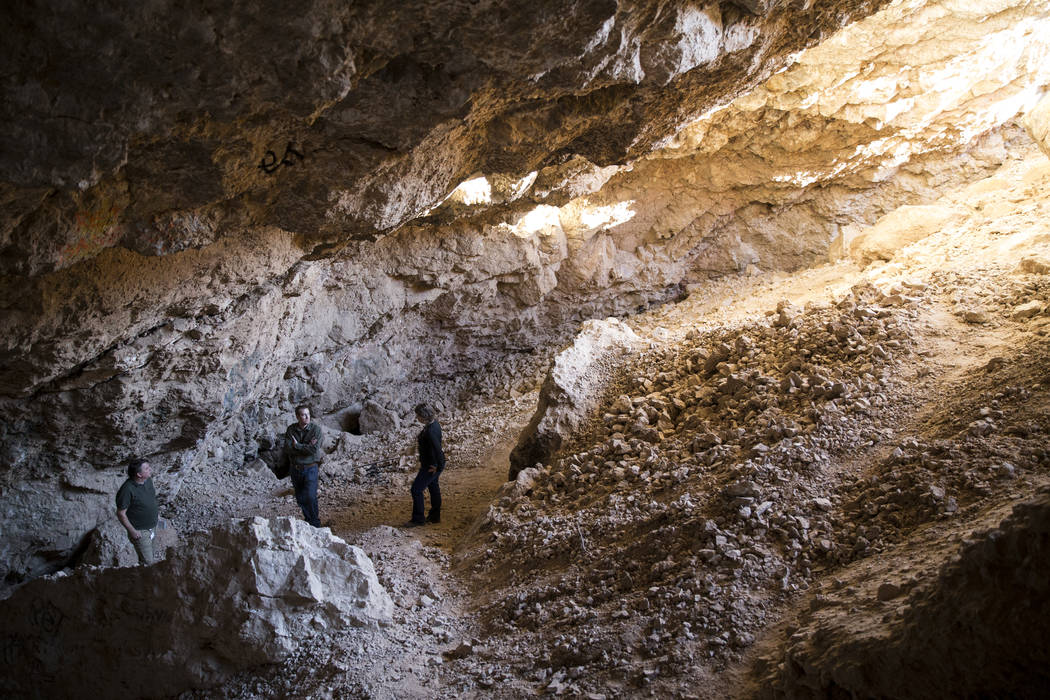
(305, 483)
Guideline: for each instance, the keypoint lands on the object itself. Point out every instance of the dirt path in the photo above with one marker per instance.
(477, 467)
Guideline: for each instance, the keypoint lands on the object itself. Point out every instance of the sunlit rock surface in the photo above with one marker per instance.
(1037, 121)
(572, 391)
(337, 204)
(245, 594)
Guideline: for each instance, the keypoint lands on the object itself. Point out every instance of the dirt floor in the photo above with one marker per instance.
(792, 458)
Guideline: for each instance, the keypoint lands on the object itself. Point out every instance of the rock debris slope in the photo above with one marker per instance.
(827, 455)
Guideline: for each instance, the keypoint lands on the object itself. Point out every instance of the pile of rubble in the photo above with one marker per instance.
(699, 498)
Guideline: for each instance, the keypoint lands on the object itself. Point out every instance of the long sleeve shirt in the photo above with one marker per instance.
(430, 454)
(307, 446)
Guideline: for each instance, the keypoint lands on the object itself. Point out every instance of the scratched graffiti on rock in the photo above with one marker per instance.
(270, 163)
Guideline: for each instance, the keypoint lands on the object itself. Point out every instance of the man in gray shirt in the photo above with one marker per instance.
(137, 509)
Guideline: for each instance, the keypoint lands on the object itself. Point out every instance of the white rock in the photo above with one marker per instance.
(1027, 310)
(572, 390)
(246, 593)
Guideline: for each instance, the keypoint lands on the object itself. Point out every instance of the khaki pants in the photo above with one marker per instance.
(144, 546)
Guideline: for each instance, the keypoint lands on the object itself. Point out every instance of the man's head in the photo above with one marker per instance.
(139, 469)
(424, 413)
(302, 414)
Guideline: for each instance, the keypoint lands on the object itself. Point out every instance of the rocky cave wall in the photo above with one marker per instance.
(189, 251)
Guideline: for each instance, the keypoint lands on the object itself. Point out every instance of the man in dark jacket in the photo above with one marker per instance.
(431, 464)
(137, 509)
(303, 443)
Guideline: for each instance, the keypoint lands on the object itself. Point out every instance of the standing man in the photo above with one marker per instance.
(431, 464)
(137, 509)
(303, 442)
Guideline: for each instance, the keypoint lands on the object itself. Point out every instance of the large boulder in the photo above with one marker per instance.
(246, 593)
(572, 391)
(108, 544)
(376, 419)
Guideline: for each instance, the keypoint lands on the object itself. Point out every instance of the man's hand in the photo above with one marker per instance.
(432, 470)
(122, 516)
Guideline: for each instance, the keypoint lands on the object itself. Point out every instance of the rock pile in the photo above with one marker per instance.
(697, 496)
(247, 593)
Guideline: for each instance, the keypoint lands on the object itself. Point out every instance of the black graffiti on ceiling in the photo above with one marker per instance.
(270, 163)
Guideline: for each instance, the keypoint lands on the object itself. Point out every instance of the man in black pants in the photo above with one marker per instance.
(431, 464)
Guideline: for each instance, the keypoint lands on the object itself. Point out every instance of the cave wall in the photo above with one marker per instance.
(188, 253)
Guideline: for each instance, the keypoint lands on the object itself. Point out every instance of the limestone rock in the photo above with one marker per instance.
(571, 391)
(108, 545)
(899, 228)
(376, 419)
(182, 267)
(1033, 265)
(933, 647)
(244, 594)
(523, 482)
(1037, 122)
(1027, 310)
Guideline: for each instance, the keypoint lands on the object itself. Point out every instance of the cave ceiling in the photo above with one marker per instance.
(168, 126)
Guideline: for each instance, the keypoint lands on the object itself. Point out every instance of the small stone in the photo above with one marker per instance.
(1028, 310)
(971, 316)
(937, 492)
(741, 488)
(464, 650)
(822, 503)
(1033, 266)
(888, 591)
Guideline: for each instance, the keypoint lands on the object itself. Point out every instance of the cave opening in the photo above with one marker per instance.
(351, 422)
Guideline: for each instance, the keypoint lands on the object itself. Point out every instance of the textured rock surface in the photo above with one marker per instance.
(572, 391)
(245, 594)
(170, 127)
(108, 545)
(171, 288)
(899, 228)
(978, 626)
(376, 419)
(1037, 121)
